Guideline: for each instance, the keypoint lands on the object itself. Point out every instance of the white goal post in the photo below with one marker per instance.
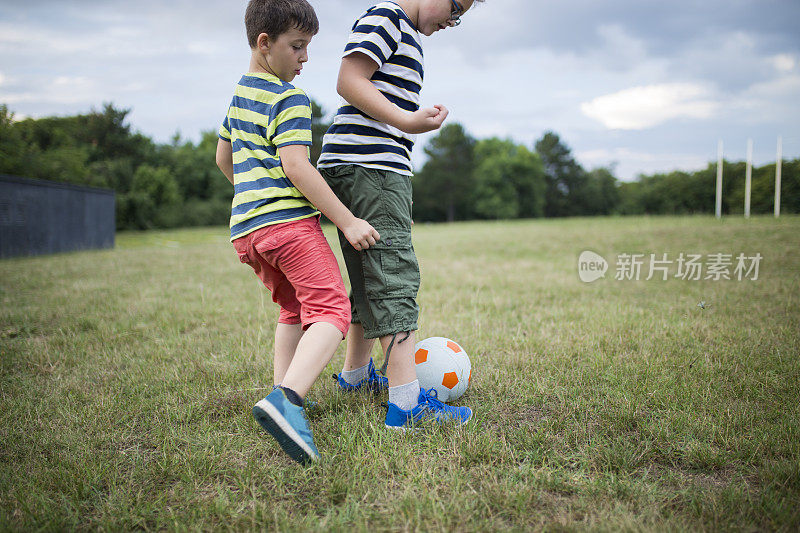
(778, 165)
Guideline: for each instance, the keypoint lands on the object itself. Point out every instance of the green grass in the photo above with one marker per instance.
(127, 378)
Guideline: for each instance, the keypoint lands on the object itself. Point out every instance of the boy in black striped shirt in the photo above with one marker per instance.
(366, 160)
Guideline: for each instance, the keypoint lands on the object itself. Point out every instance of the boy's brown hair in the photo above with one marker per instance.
(275, 17)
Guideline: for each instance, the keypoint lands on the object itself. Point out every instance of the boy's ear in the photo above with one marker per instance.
(263, 42)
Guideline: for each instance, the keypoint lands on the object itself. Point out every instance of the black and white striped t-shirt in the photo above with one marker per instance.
(385, 34)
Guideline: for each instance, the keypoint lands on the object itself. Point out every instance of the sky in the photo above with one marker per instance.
(640, 86)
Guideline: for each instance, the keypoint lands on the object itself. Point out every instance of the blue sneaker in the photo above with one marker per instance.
(374, 382)
(288, 424)
(309, 405)
(428, 408)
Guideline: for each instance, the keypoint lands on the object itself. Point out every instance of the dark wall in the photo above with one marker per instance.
(44, 217)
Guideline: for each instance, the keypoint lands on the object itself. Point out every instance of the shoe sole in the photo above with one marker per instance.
(268, 417)
(403, 429)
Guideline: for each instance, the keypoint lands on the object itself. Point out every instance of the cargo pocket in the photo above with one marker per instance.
(390, 268)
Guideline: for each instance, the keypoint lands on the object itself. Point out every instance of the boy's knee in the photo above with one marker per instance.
(331, 305)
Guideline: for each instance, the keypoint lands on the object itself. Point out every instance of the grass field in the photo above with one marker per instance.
(127, 378)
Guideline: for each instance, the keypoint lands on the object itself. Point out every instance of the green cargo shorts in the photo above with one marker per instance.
(384, 279)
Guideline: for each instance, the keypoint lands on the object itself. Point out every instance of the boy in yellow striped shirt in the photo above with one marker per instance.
(263, 149)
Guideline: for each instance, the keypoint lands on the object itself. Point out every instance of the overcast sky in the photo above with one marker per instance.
(643, 85)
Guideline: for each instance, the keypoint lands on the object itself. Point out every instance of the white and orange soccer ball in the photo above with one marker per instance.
(443, 365)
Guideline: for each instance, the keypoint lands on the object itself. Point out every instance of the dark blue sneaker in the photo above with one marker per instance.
(374, 382)
(429, 409)
(288, 424)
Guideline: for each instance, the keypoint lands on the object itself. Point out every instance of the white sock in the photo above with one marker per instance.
(355, 376)
(405, 396)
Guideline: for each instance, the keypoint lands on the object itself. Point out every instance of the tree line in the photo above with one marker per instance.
(165, 185)
(465, 179)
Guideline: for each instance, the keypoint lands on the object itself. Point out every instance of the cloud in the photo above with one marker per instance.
(643, 107)
(628, 162)
(784, 62)
(647, 85)
(57, 90)
(640, 159)
(666, 28)
(770, 101)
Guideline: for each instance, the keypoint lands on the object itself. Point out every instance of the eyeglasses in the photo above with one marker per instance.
(456, 12)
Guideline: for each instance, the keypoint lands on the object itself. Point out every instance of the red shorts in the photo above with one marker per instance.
(296, 264)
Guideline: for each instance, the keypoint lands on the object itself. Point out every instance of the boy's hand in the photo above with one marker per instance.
(294, 160)
(425, 120)
(360, 234)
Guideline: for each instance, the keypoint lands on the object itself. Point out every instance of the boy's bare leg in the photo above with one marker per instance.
(401, 369)
(286, 338)
(314, 351)
(358, 348)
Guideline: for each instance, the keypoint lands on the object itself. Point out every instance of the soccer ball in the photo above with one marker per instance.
(442, 365)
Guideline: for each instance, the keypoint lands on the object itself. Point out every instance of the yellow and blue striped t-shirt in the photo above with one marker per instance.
(265, 114)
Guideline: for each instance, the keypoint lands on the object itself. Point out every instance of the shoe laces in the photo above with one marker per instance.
(432, 400)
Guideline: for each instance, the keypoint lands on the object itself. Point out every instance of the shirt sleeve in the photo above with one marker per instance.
(225, 130)
(290, 120)
(376, 34)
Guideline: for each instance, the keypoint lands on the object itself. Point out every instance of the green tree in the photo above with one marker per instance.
(629, 198)
(68, 148)
(790, 187)
(603, 190)
(153, 200)
(157, 183)
(509, 181)
(52, 150)
(115, 173)
(65, 163)
(680, 192)
(193, 167)
(567, 193)
(13, 150)
(110, 135)
(206, 191)
(444, 187)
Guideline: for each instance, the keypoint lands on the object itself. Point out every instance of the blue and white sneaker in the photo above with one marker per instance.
(429, 408)
(374, 382)
(288, 424)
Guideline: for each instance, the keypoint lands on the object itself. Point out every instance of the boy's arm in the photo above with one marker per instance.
(354, 85)
(294, 159)
(225, 159)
